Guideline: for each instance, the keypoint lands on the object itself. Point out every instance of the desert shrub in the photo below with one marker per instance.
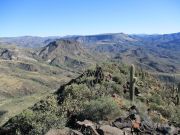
(156, 98)
(78, 91)
(108, 68)
(155, 118)
(117, 89)
(48, 120)
(39, 118)
(161, 109)
(104, 108)
(75, 96)
(124, 69)
(50, 104)
(30, 122)
(142, 98)
(175, 116)
(117, 79)
(109, 88)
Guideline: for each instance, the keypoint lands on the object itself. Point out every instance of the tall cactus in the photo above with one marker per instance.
(132, 82)
(178, 95)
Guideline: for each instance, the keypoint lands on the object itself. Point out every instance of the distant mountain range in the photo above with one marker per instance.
(138, 39)
(153, 52)
(27, 41)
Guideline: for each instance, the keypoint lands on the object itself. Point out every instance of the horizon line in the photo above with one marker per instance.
(88, 34)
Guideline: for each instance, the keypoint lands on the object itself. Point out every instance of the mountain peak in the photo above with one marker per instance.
(62, 44)
(64, 52)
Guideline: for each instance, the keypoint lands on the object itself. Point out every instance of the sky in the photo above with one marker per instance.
(87, 17)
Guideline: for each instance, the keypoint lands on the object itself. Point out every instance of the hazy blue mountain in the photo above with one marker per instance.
(120, 38)
(27, 41)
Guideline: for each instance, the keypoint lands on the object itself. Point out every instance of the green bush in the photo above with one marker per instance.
(79, 92)
(161, 109)
(104, 108)
(117, 89)
(175, 116)
(39, 118)
(117, 79)
(109, 88)
(124, 69)
(156, 98)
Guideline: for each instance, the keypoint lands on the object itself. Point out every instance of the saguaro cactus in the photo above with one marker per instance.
(178, 95)
(132, 82)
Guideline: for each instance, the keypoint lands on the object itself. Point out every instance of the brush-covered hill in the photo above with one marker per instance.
(66, 53)
(159, 53)
(101, 95)
(26, 76)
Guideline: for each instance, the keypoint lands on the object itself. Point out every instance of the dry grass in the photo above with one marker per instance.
(9, 82)
(14, 106)
(20, 89)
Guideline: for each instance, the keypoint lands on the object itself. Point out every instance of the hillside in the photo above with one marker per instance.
(27, 74)
(100, 95)
(30, 74)
(159, 53)
(66, 53)
(25, 79)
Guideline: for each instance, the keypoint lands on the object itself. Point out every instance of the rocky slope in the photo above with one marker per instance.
(100, 95)
(29, 74)
(159, 53)
(66, 53)
(25, 78)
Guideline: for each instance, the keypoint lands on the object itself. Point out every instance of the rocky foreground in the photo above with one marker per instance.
(122, 126)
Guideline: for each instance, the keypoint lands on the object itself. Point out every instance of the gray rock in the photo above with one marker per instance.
(109, 130)
(64, 131)
(88, 126)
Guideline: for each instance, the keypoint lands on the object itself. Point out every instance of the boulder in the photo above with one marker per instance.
(85, 123)
(64, 131)
(87, 126)
(109, 130)
(166, 129)
(122, 123)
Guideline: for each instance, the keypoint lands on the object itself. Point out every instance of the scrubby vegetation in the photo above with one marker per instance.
(99, 94)
(103, 108)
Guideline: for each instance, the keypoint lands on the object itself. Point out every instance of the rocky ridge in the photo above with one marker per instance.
(97, 102)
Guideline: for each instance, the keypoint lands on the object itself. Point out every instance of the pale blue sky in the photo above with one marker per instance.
(84, 17)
